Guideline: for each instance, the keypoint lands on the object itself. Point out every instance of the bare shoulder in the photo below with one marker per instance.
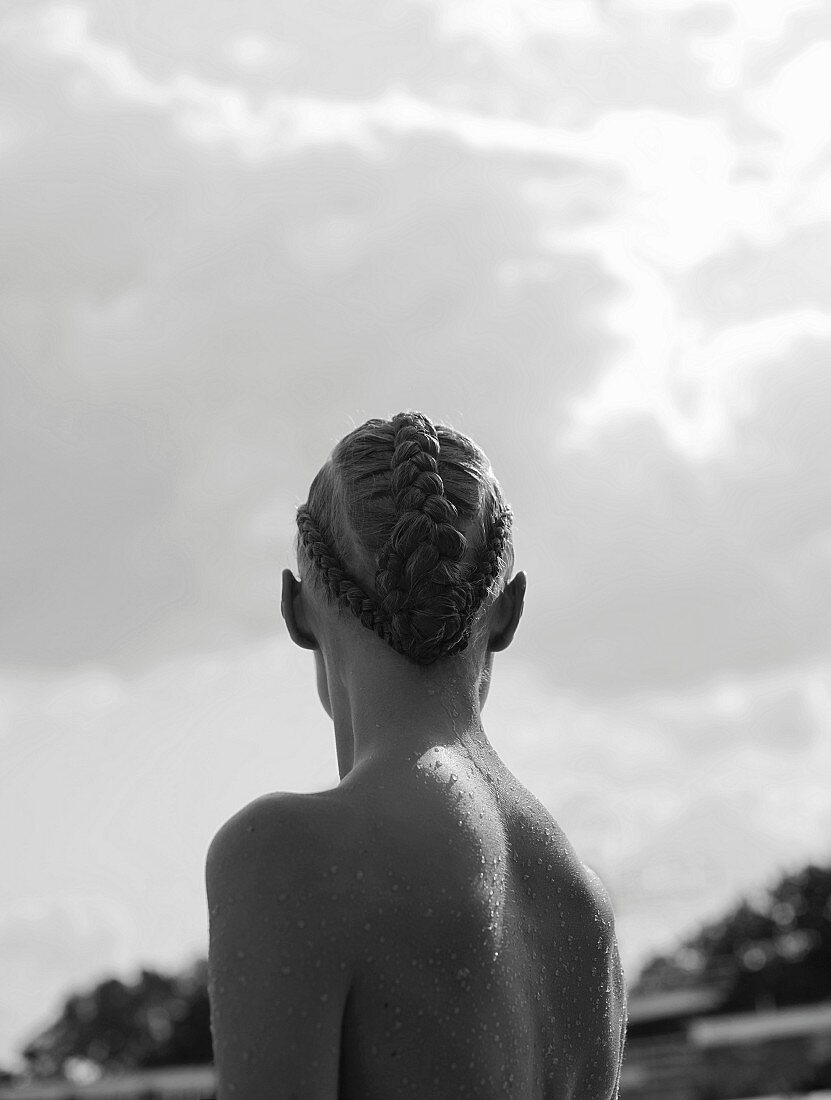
(282, 829)
(274, 807)
(282, 949)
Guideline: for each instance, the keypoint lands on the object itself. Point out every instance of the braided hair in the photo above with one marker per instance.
(395, 493)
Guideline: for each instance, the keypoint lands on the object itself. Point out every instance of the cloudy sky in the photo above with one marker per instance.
(592, 235)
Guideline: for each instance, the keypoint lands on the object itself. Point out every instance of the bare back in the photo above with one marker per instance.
(488, 964)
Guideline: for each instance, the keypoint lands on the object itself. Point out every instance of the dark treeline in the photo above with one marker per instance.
(774, 954)
(159, 1020)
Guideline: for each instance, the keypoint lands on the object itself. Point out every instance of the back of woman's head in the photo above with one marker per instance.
(406, 528)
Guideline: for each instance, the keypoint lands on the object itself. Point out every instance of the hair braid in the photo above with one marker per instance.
(342, 588)
(426, 596)
(492, 553)
(419, 580)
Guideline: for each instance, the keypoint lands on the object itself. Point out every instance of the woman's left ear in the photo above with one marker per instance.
(511, 604)
(291, 597)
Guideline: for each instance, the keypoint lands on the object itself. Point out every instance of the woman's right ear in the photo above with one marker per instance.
(293, 614)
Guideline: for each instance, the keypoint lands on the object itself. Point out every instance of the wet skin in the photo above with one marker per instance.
(423, 929)
(490, 968)
(443, 937)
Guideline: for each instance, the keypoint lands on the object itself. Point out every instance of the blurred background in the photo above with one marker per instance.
(593, 236)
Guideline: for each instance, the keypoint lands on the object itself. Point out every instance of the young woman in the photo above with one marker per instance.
(424, 929)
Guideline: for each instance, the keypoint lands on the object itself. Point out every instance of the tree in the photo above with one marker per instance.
(776, 954)
(159, 1020)
(189, 1041)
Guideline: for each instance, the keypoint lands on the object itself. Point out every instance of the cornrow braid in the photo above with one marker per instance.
(492, 553)
(343, 588)
(420, 583)
(427, 598)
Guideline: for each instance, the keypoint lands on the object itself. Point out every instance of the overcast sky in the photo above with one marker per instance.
(594, 236)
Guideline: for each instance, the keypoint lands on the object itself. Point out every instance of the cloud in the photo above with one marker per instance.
(716, 566)
(513, 27)
(210, 112)
(804, 79)
(751, 27)
(764, 288)
(465, 272)
(136, 274)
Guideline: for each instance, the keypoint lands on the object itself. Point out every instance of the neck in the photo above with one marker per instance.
(390, 715)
